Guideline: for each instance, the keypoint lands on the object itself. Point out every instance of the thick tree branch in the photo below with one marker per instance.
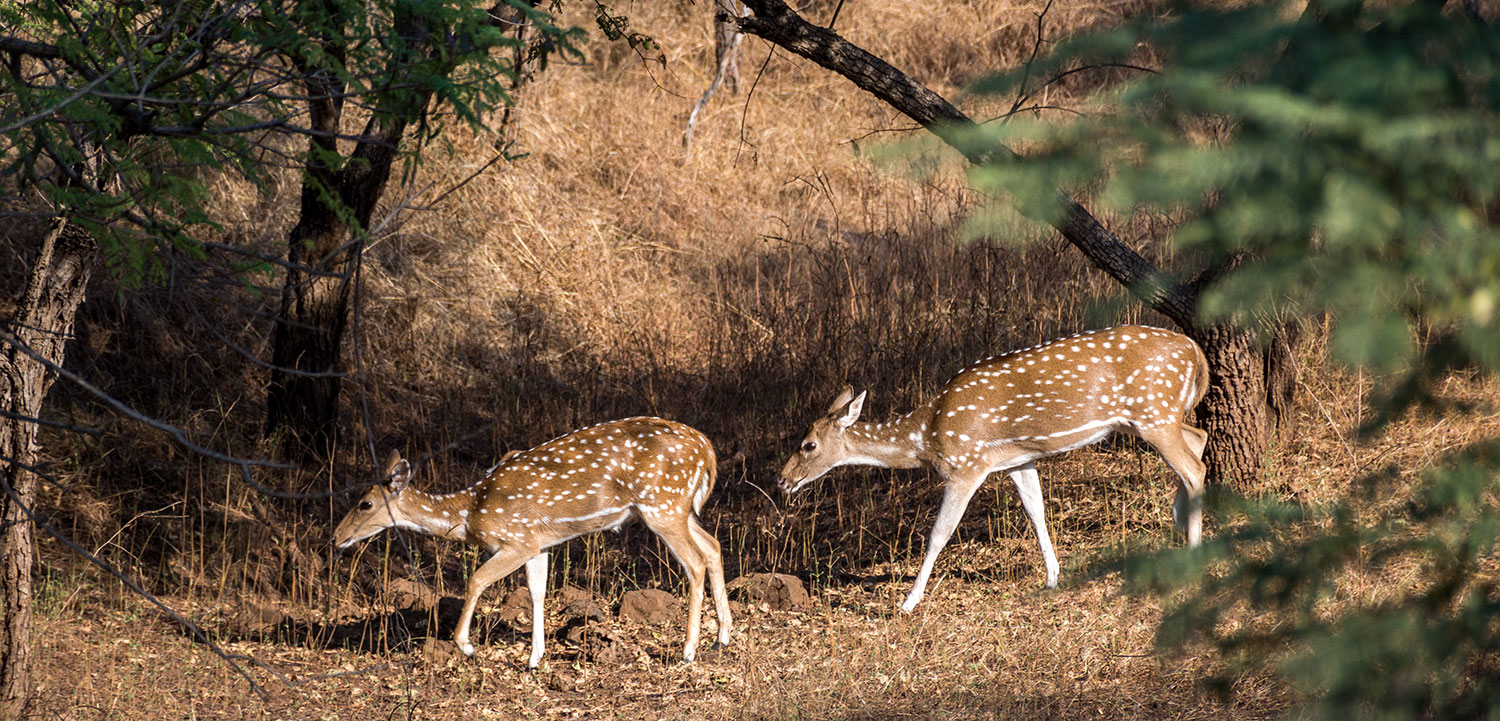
(26, 47)
(782, 26)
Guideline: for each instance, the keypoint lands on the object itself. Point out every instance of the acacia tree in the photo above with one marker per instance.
(435, 58)
(111, 116)
(1234, 412)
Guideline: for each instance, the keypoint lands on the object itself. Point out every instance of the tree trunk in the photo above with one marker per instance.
(303, 398)
(1281, 375)
(43, 323)
(1234, 411)
(727, 39)
(338, 197)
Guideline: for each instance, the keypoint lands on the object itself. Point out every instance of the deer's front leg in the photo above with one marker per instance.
(500, 565)
(957, 493)
(1030, 488)
(536, 582)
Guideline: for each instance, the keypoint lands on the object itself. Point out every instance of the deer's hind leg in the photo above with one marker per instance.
(1196, 439)
(1030, 488)
(1180, 445)
(677, 532)
(709, 546)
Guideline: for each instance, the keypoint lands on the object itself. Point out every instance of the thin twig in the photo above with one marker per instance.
(85, 430)
(247, 354)
(244, 464)
(749, 95)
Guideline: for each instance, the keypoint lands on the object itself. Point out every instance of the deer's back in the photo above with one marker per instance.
(633, 462)
(1073, 388)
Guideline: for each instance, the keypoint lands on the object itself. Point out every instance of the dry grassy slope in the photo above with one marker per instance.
(734, 286)
(613, 252)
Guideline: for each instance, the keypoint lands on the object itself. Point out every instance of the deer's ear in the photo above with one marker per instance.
(841, 400)
(397, 473)
(851, 409)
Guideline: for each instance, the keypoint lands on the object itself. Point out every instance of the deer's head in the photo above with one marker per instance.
(377, 509)
(824, 446)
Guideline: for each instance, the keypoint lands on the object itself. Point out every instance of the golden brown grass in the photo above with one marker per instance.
(735, 286)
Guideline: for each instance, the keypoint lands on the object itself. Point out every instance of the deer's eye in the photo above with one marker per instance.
(365, 505)
(809, 446)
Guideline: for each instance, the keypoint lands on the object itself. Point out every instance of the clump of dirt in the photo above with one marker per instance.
(775, 591)
(649, 606)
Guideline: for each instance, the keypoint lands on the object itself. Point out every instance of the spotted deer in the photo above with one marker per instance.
(1005, 412)
(594, 479)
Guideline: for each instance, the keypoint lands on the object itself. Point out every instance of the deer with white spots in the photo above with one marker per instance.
(1005, 412)
(590, 480)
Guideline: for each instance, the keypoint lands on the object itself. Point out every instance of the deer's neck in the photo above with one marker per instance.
(900, 443)
(444, 515)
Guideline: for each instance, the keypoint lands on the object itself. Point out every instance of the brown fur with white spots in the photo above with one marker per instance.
(590, 480)
(1003, 413)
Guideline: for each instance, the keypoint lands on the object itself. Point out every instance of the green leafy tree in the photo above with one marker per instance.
(406, 61)
(111, 116)
(1341, 161)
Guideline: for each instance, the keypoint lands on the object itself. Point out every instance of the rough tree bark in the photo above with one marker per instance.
(1234, 413)
(42, 324)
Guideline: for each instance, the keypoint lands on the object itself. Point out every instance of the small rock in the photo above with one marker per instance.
(776, 591)
(440, 653)
(649, 605)
(257, 619)
(595, 643)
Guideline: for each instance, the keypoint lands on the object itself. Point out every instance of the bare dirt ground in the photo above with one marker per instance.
(977, 647)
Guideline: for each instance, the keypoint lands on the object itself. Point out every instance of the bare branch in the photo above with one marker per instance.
(782, 26)
(177, 434)
(251, 356)
(85, 430)
(26, 47)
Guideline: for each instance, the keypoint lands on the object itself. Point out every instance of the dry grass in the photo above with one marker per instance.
(734, 286)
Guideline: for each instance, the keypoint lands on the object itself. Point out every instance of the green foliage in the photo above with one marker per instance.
(1347, 161)
(1280, 586)
(128, 106)
(1341, 161)
(617, 28)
